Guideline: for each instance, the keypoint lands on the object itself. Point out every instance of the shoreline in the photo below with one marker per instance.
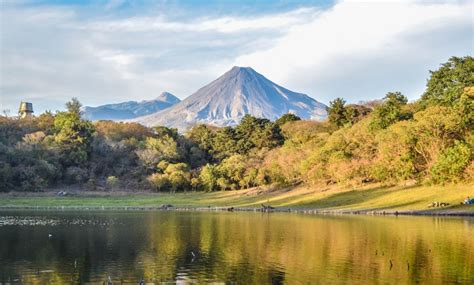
(368, 212)
(373, 199)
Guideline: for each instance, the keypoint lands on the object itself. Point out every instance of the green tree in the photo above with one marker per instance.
(447, 84)
(209, 176)
(74, 106)
(224, 143)
(466, 107)
(451, 163)
(178, 175)
(232, 169)
(257, 133)
(355, 113)
(195, 183)
(165, 146)
(390, 112)
(161, 131)
(46, 122)
(203, 136)
(73, 136)
(337, 112)
(434, 130)
(288, 117)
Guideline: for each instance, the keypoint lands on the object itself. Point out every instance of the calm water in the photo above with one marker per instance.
(238, 248)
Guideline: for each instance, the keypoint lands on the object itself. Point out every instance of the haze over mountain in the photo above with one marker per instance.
(130, 109)
(227, 99)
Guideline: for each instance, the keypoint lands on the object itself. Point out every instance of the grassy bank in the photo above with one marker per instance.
(374, 198)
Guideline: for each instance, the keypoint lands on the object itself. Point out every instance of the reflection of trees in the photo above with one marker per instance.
(244, 247)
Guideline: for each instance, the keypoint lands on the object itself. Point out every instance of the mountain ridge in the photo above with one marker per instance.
(130, 109)
(239, 91)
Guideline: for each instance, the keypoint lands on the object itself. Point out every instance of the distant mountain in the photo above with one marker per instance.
(130, 109)
(227, 99)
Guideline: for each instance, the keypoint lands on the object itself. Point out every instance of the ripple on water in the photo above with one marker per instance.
(48, 221)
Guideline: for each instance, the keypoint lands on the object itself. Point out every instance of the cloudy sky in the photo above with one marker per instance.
(113, 51)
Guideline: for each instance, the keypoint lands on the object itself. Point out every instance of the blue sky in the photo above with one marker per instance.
(113, 51)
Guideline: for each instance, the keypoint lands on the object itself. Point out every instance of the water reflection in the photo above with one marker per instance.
(239, 248)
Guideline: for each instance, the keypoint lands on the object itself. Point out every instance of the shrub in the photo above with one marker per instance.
(75, 175)
(112, 182)
(91, 184)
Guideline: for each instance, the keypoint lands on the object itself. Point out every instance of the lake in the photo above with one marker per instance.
(238, 248)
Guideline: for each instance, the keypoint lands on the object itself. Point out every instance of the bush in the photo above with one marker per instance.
(91, 184)
(112, 182)
(75, 175)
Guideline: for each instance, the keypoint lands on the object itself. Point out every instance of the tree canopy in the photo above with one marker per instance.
(387, 141)
(446, 85)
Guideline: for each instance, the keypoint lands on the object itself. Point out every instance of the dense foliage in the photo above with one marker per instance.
(389, 141)
(340, 114)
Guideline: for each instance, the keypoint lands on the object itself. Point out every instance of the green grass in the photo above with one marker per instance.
(403, 198)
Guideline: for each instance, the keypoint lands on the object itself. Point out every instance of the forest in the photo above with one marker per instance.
(389, 141)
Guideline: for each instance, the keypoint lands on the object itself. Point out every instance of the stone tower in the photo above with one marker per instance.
(26, 110)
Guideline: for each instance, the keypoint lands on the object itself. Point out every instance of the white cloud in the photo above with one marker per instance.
(221, 24)
(342, 45)
(357, 50)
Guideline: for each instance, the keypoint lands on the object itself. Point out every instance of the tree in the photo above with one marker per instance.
(390, 111)
(74, 106)
(434, 130)
(158, 181)
(446, 84)
(178, 175)
(356, 112)
(337, 112)
(73, 135)
(195, 183)
(232, 170)
(224, 143)
(451, 163)
(466, 107)
(209, 176)
(46, 122)
(165, 146)
(161, 131)
(288, 117)
(202, 135)
(257, 133)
